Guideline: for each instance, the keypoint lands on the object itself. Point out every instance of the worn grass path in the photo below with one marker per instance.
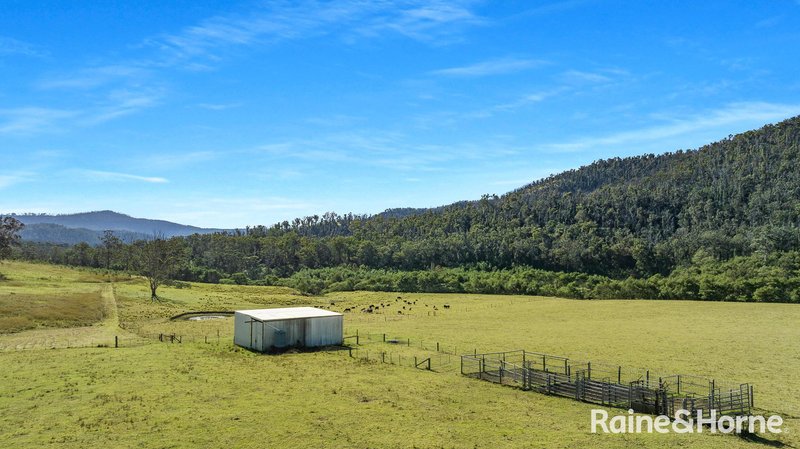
(101, 333)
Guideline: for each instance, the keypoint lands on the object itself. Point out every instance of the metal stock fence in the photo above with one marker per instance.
(609, 385)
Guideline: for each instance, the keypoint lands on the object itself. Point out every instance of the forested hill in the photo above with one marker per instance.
(638, 215)
(719, 222)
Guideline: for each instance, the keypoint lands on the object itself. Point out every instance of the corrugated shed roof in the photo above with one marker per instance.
(287, 313)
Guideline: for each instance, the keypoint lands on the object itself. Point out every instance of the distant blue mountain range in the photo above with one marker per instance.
(89, 227)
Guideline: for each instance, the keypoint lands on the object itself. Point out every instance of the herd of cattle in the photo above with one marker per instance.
(400, 305)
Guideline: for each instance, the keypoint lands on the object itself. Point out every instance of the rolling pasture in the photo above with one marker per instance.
(206, 392)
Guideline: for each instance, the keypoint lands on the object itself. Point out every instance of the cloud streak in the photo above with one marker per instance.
(491, 67)
(116, 176)
(433, 22)
(390, 151)
(8, 180)
(9, 46)
(28, 120)
(93, 77)
(34, 120)
(748, 113)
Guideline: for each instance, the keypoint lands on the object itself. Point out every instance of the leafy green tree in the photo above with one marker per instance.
(158, 260)
(9, 235)
(111, 244)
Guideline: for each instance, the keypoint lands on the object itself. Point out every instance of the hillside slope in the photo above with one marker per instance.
(74, 226)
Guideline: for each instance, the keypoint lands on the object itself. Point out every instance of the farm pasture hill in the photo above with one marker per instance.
(155, 394)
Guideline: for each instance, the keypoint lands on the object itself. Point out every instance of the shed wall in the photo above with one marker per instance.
(241, 330)
(324, 331)
(310, 332)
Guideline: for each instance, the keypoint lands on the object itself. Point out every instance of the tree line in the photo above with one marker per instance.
(622, 222)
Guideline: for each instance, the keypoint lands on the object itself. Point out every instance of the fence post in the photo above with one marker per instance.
(566, 366)
(437, 346)
(588, 370)
(116, 341)
(384, 338)
(544, 363)
(619, 375)
(206, 337)
(383, 356)
(350, 350)
(524, 373)
(429, 363)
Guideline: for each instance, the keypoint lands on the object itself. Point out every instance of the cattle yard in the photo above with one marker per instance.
(609, 385)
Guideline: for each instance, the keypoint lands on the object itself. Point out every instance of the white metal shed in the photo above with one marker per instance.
(266, 329)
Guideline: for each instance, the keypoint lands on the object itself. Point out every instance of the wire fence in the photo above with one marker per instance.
(430, 362)
(431, 345)
(127, 340)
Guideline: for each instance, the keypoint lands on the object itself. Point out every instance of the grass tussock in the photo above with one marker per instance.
(19, 312)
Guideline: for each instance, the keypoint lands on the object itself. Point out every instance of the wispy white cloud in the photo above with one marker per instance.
(391, 151)
(578, 76)
(769, 22)
(748, 114)
(10, 179)
(522, 101)
(173, 160)
(120, 103)
(435, 22)
(567, 82)
(31, 119)
(491, 67)
(94, 77)
(218, 106)
(335, 120)
(10, 46)
(115, 176)
(131, 85)
(430, 21)
(550, 8)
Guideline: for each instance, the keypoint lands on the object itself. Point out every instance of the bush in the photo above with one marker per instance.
(768, 293)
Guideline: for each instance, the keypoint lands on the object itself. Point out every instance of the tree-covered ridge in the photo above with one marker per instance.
(639, 215)
(619, 219)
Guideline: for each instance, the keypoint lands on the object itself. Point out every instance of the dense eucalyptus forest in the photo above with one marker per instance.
(719, 223)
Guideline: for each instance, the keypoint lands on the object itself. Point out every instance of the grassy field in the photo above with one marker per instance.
(152, 394)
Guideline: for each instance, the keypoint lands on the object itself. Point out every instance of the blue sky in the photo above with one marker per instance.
(226, 114)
